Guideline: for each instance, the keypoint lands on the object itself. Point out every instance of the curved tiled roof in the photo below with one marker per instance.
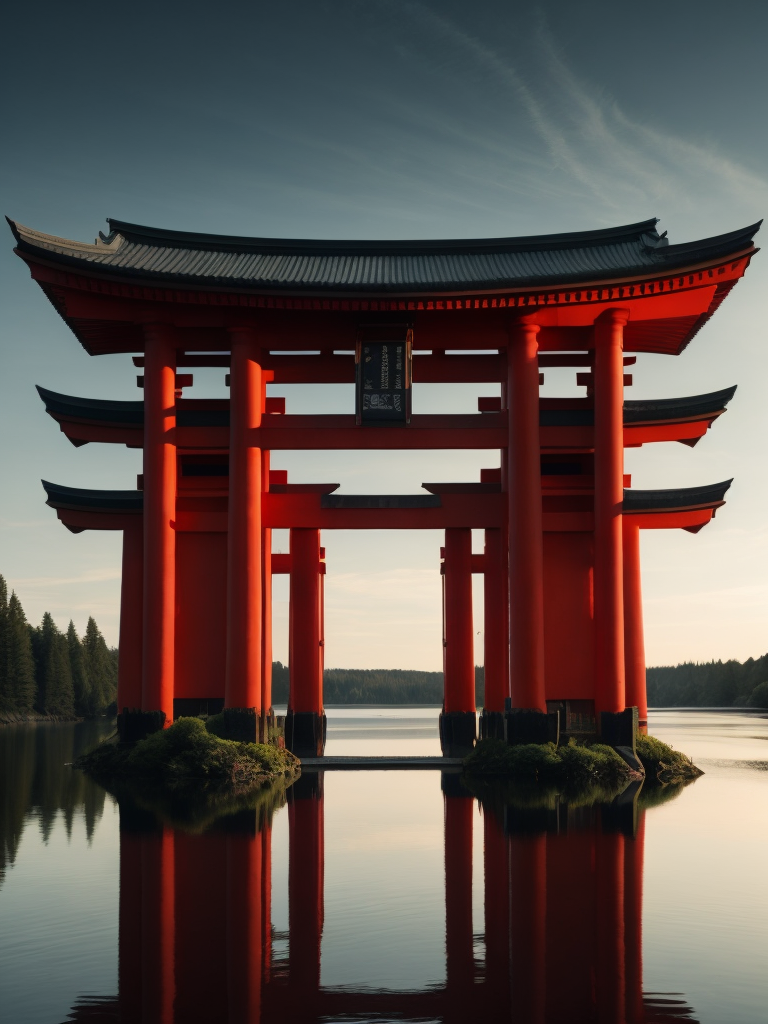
(132, 413)
(124, 413)
(675, 498)
(87, 500)
(104, 410)
(405, 267)
(646, 410)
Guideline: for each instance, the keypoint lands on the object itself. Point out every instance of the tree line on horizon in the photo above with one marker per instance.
(710, 684)
(45, 671)
(49, 672)
(373, 686)
(692, 684)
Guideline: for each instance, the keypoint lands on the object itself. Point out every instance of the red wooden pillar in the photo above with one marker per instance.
(159, 518)
(526, 559)
(634, 641)
(458, 654)
(460, 967)
(609, 495)
(610, 959)
(321, 598)
(496, 637)
(129, 671)
(158, 928)
(304, 640)
(458, 720)
(305, 722)
(266, 608)
(244, 928)
(528, 933)
(633, 922)
(242, 687)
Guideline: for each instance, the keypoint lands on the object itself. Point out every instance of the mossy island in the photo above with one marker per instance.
(579, 766)
(188, 765)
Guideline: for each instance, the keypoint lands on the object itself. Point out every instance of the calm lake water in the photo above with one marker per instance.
(410, 900)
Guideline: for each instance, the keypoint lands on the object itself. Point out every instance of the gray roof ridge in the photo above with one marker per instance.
(143, 234)
(730, 241)
(675, 496)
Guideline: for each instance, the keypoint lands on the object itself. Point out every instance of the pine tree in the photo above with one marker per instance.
(80, 681)
(55, 692)
(99, 666)
(5, 697)
(19, 670)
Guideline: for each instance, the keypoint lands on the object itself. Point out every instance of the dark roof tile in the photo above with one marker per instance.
(675, 498)
(448, 265)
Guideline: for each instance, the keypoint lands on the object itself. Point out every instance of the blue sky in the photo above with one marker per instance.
(390, 120)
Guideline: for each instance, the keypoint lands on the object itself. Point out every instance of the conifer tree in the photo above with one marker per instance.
(99, 666)
(20, 663)
(55, 693)
(80, 682)
(17, 677)
(6, 699)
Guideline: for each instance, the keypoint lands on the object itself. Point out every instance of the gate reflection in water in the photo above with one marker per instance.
(562, 933)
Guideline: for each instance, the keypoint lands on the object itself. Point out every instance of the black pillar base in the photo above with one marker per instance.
(458, 730)
(240, 724)
(134, 725)
(529, 725)
(491, 725)
(305, 733)
(272, 728)
(619, 728)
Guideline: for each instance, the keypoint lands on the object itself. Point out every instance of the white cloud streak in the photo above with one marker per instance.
(606, 153)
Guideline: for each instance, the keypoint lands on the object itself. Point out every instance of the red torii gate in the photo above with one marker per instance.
(561, 563)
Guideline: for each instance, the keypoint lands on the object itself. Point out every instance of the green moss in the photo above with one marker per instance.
(544, 763)
(187, 757)
(664, 764)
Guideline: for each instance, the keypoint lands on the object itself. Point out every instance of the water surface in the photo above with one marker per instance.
(408, 900)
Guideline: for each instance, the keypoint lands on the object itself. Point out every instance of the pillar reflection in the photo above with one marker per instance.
(459, 809)
(562, 935)
(194, 918)
(306, 841)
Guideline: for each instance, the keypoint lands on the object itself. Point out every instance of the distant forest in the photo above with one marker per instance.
(374, 686)
(710, 684)
(44, 671)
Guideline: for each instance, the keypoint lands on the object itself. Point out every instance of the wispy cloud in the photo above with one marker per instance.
(603, 150)
(560, 148)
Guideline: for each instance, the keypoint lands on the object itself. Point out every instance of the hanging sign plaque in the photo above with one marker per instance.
(384, 375)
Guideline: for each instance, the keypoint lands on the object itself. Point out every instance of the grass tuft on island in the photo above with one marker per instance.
(664, 763)
(545, 763)
(186, 758)
(576, 765)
